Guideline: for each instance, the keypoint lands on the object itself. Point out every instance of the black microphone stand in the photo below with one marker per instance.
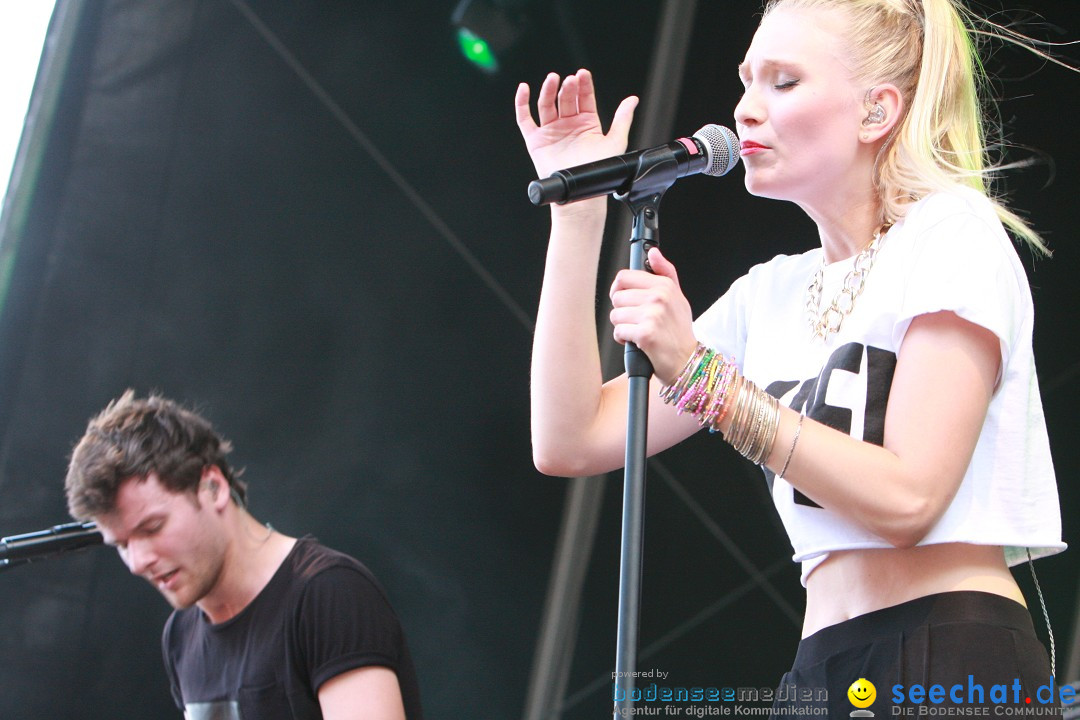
(21, 549)
(656, 172)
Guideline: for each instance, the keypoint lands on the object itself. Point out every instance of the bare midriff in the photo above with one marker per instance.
(850, 583)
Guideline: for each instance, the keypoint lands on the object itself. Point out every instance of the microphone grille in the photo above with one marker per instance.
(721, 147)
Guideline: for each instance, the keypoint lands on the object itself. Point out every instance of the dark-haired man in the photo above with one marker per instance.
(265, 626)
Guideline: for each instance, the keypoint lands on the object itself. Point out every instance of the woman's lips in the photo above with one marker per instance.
(750, 147)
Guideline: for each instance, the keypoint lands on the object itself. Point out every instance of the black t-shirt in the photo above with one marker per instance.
(322, 614)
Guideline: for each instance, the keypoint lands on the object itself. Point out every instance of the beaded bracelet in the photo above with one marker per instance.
(702, 386)
(710, 387)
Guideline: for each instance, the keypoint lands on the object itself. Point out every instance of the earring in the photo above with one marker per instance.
(877, 115)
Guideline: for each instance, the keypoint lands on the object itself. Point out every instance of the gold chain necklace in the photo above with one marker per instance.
(823, 324)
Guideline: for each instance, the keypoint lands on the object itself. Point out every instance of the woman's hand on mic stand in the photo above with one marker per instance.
(650, 310)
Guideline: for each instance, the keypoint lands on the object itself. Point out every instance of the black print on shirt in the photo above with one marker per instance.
(852, 379)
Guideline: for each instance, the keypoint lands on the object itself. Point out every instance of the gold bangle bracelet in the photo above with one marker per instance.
(791, 450)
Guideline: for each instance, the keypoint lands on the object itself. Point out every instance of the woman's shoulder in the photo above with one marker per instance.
(778, 279)
(951, 251)
(960, 225)
(958, 204)
(780, 267)
(773, 282)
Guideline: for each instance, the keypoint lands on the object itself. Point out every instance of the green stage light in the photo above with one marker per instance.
(487, 31)
(477, 50)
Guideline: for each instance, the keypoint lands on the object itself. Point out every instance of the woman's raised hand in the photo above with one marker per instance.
(578, 420)
(569, 132)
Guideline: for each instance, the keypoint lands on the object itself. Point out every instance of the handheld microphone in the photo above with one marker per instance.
(713, 150)
(54, 541)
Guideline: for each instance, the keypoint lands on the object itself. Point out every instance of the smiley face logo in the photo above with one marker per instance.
(862, 693)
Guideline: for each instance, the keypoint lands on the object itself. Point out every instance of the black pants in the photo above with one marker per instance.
(940, 655)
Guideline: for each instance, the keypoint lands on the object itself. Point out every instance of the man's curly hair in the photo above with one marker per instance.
(132, 438)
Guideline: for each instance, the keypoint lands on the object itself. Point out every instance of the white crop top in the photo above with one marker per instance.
(949, 253)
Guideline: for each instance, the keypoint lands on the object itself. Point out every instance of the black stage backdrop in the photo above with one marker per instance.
(309, 221)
